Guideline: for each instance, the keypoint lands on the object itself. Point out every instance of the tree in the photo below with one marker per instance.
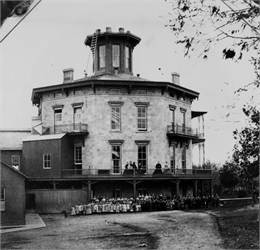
(207, 22)
(246, 149)
(228, 175)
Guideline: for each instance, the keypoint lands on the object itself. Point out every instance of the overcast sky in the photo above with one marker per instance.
(51, 38)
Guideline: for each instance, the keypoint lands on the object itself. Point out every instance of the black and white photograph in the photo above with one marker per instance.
(130, 124)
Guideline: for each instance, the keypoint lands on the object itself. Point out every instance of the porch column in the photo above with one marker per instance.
(177, 188)
(134, 186)
(195, 188)
(89, 190)
(211, 187)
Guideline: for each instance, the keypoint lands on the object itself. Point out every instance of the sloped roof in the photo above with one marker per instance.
(44, 137)
(3, 164)
(12, 139)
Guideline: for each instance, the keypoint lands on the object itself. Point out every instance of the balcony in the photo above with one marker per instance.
(176, 130)
(139, 174)
(77, 129)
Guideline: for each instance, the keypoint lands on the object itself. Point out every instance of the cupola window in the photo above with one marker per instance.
(127, 57)
(102, 56)
(116, 55)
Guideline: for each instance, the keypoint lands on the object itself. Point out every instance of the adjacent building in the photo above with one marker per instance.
(12, 204)
(90, 131)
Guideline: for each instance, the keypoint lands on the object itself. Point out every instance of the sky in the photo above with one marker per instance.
(51, 38)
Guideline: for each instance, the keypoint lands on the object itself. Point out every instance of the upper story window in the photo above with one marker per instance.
(16, 161)
(142, 115)
(102, 56)
(58, 116)
(46, 161)
(116, 156)
(116, 118)
(77, 115)
(183, 158)
(183, 111)
(115, 56)
(127, 57)
(78, 154)
(172, 158)
(142, 118)
(115, 115)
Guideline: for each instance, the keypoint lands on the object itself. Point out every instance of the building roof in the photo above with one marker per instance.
(12, 139)
(13, 169)
(44, 137)
(133, 38)
(107, 79)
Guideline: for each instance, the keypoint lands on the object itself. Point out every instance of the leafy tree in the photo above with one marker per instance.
(231, 23)
(228, 175)
(246, 149)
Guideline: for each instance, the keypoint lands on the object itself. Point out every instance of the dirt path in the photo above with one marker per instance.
(157, 230)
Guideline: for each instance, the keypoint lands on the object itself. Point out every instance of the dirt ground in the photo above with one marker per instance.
(156, 230)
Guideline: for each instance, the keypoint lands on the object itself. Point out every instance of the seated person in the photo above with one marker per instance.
(158, 168)
(158, 165)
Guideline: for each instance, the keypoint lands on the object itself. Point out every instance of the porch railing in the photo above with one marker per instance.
(181, 129)
(131, 172)
(69, 128)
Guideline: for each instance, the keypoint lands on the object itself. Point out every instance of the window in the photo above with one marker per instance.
(115, 56)
(16, 161)
(2, 207)
(102, 56)
(141, 118)
(116, 118)
(142, 157)
(172, 158)
(115, 115)
(58, 116)
(183, 119)
(78, 154)
(46, 161)
(127, 57)
(183, 111)
(116, 158)
(77, 115)
(183, 158)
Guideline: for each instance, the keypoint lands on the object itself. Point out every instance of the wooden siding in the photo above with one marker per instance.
(13, 182)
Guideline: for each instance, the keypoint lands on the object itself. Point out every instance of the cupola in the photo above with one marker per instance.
(112, 51)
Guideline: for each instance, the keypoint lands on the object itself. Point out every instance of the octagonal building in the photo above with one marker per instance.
(104, 134)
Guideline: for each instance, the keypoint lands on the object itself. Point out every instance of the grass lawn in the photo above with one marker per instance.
(238, 225)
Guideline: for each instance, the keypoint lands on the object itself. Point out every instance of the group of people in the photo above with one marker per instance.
(146, 203)
(140, 168)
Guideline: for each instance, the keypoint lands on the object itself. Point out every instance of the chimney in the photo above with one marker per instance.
(68, 75)
(121, 30)
(98, 31)
(108, 29)
(176, 78)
